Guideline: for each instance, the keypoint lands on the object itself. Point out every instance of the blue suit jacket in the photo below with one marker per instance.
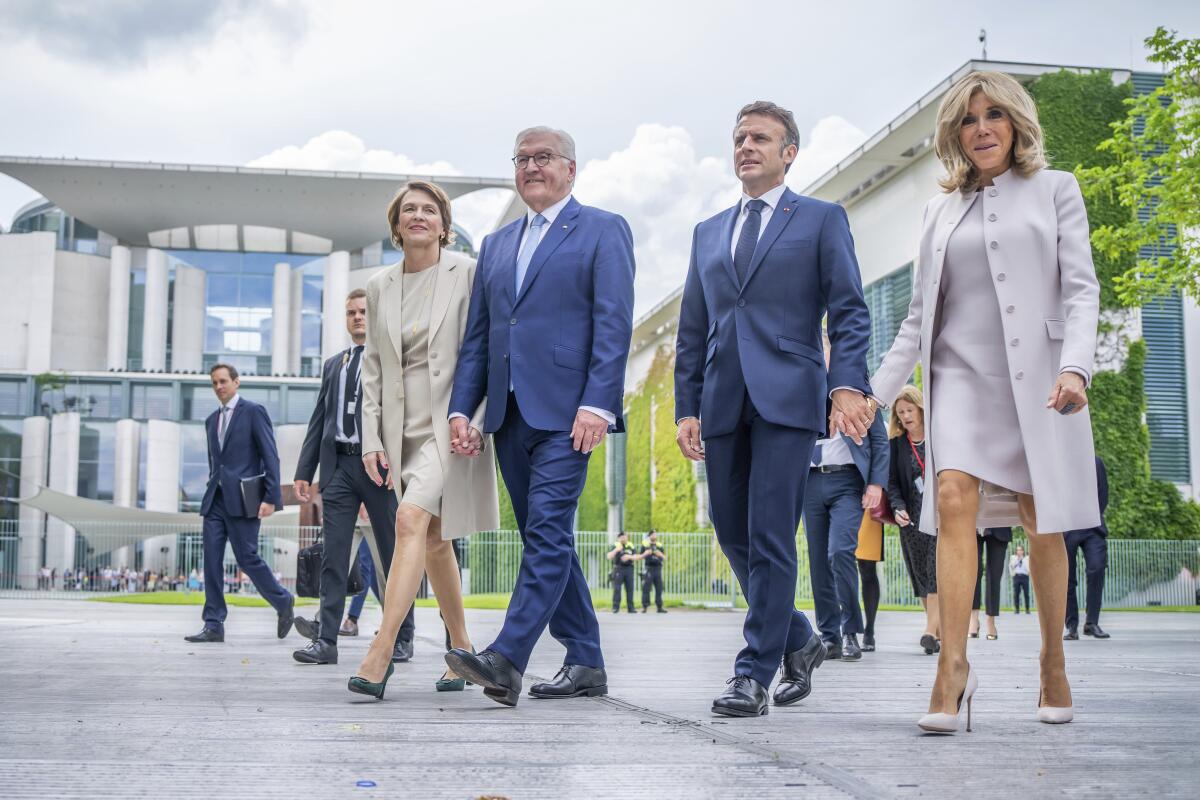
(564, 340)
(765, 336)
(249, 450)
(873, 456)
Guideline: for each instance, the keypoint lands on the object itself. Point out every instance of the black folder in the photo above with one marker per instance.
(253, 489)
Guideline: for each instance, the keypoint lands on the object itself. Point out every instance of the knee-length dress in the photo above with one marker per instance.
(420, 463)
(969, 369)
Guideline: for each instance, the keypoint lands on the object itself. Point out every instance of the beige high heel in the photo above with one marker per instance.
(948, 723)
(1054, 715)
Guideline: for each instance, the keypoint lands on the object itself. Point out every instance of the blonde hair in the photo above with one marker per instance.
(909, 394)
(440, 199)
(1028, 151)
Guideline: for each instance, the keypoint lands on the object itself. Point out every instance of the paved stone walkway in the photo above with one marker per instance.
(101, 700)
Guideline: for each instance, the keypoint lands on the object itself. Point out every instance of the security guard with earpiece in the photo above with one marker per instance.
(654, 556)
(623, 554)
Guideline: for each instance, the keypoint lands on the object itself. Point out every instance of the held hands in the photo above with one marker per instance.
(688, 439)
(588, 431)
(465, 440)
(265, 510)
(373, 463)
(1069, 394)
(872, 496)
(303, 490)
(852, 415)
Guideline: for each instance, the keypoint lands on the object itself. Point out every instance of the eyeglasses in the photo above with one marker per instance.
(541, 159)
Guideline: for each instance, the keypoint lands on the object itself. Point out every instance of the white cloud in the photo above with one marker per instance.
(476, 212)
(663, 188)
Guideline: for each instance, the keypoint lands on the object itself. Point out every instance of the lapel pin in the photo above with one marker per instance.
(564, 227)
(786, 210)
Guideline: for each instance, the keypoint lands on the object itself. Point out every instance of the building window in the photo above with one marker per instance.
(89, 398)
(10, 469)
(198, 402)
(887, 300)
(1166, 389)
(97, 460)
(268, 396)
(193, 466)
(12, 399)
(153, 401)
(300, 403)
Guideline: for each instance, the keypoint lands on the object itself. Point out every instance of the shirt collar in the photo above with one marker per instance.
(233, 401)
(770, 197)
(550, 213)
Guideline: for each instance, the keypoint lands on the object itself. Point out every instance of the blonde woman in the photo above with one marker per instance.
(416, 317)
(1003, 319)
(906, 494)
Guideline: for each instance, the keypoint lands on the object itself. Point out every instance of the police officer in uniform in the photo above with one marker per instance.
(654, 556)
(623, 555)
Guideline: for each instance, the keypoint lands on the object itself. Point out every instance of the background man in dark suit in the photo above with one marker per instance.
(241, 444)
(1094, 543)
(749, 369)
(333, 442)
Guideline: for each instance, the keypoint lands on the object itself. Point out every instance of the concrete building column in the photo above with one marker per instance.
(337, 281)
(63, 477)
(125, 479)
(281, 319)
(118, 308)
(163, 457)
(154, 326)
(35, 452)
(187, 322)
(295, 322)
(40, 262)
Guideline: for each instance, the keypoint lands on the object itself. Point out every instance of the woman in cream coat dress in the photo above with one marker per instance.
(416, 317)
(1003, 319)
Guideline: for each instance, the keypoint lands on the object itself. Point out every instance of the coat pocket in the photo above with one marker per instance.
(571, 358)
(796, 347)
(1056, 328)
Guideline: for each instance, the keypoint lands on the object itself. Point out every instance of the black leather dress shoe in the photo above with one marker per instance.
(403, 651)
(573, 680)
(317, 652)
(286, 619)
(499, 678)
(206, 635)
(1071, 635)
(850, 649)
(868, 643)
(833, 650)
(308, 628)
(795, 683)
(1094, 630)
(743, 697)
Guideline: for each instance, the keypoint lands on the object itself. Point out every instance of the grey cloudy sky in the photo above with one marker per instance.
(648, 89)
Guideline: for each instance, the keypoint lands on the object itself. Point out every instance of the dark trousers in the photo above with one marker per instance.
(341, 497)
(544, 477)
(756, 490)
(832, 516)
(242, 534)
(1021, 585)
(1095, 562)
(870, 593)
(623, 577)
(366, 568)
(997, 551)
(652, 578)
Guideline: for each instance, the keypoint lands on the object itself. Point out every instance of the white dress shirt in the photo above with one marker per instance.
(341, 436)
(834, 451)
(1018, 565)
(771, 198)
(233, 401)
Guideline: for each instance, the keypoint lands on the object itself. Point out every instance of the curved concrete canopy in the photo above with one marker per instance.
(129, 200)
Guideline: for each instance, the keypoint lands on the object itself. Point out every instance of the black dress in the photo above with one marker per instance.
(905, 485)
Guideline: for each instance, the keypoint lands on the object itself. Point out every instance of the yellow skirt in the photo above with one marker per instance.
(870, 539)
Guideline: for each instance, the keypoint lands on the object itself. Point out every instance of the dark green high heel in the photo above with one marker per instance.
(447, 684)
(363, 686)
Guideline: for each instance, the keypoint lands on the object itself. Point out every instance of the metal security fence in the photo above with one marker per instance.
(55, 560)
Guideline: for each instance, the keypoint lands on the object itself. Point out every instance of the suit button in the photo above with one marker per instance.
(993, 192)
(437, 372)
(1019, 375)
(433, 355)
(939, 249)
(991, 217)
(1000, 276)
(512, 322)
(994, 244)
(1015, 342)
(741, 303)
(1010, 309)
(506, 356)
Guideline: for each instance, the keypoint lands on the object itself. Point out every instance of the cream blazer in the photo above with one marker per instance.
(1048, 298)
(469, 498)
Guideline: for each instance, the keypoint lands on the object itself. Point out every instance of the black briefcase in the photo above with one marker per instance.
(308, 572)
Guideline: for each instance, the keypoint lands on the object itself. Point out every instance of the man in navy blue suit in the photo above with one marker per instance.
(241, 444)
(546, 343)
(749, 369)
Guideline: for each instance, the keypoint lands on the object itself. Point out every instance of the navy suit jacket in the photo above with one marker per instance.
(564, 340)
(249, 450)
(765, 336)
(1102, 496)
(319, 448)
(873, 456)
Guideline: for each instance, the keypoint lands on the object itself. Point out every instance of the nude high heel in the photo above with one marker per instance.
(1054, 715)
(948, 723)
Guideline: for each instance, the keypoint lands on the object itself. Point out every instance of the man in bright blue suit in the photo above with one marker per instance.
(547, 339)
(241, 444)
(750, 388)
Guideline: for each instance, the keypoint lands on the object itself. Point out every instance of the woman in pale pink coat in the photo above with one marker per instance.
(1003, 319)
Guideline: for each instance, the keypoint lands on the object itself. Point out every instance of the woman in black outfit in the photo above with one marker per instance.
(995, 541)
(906, 486)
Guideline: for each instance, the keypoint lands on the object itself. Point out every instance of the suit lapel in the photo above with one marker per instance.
(780, 217)
(948, 221)
(509, 243)
(727, 243)
(443, 292)
(214, 444)
(393, 303)
(558, 231)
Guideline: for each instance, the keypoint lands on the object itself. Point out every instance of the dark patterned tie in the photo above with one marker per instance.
(351, 394)
(816, 454)
(748, 239)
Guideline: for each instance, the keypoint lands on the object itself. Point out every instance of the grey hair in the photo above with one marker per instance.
(566, 144)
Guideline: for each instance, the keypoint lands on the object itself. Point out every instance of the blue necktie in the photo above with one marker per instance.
(527, 249)
(748, 239)
(816, 454)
